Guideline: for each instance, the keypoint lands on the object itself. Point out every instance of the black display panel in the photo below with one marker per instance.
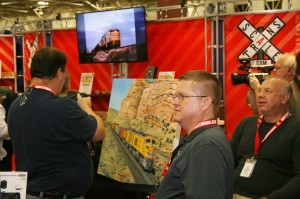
(112, 36)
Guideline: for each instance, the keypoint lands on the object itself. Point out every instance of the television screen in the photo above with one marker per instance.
(112, 36)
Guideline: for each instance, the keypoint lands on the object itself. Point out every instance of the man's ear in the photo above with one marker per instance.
(285, 98)
(60, 74)
(207, 102)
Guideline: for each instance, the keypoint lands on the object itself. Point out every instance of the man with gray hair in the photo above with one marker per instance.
(285, 67)
(266, 147)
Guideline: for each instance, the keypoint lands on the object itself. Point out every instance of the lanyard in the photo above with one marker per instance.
(257, 143)
(205, 123)
(43, 88)
(211, 122)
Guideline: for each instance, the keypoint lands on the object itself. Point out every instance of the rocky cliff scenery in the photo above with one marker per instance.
(147, 109)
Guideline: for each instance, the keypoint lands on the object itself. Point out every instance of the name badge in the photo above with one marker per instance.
(248, 168)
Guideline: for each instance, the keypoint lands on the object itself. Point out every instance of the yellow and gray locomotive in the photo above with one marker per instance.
(139, 144)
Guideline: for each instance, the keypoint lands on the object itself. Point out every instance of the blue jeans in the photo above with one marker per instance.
(36, 197)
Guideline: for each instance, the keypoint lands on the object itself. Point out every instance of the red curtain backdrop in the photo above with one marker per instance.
(66, 40)
(8, 60)
(172, 46)
(7, 53)
(179, 46)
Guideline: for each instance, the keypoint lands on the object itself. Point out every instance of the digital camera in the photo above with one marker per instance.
(244, 78)
(73, 95)
(245, 71)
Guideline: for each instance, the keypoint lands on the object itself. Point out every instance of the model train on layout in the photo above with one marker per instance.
(111, 39)
(140, 145)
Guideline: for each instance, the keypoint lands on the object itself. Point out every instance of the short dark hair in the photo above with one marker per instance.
(46, 61)
(210, 85)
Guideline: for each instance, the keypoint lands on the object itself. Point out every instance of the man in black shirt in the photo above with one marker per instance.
(266, 147)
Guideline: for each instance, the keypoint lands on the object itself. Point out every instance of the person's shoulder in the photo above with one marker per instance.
(295, 120)
(212, 134)
(247, 119)
(214, 137)
(246, 123)
(292, 126)
(65, 102)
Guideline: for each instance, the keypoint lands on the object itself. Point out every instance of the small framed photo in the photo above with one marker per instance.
(166, 75)
(8, 75)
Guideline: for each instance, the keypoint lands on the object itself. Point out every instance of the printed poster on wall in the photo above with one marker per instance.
(140, 134)
(86, 83)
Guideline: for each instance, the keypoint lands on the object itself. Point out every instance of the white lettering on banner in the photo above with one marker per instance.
(211, 122)
(249, 30)
(204, 123)
(254, 63)
(261, 41)
(271, 50)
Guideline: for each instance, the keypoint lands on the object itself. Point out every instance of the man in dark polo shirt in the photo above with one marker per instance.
(202, 166)
(50, 134)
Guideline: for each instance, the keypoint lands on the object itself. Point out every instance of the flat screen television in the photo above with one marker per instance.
(112, 36)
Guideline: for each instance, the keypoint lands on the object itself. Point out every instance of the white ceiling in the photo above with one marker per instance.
(24, 14)
(24, 8)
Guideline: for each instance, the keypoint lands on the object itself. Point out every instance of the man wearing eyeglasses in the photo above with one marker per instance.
(202, 166)
(285, 67)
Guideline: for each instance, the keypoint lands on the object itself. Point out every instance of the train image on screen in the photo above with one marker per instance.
(111, 39)
(140, 145)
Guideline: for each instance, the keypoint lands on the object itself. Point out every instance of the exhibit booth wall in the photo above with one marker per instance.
(172, 46)
(284, 39)
(7, 60)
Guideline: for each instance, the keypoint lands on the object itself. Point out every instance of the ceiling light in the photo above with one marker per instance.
(43, 3)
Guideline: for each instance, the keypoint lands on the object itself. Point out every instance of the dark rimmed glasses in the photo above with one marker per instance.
(182, 97)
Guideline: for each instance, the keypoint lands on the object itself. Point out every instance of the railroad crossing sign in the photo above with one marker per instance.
(261, 41)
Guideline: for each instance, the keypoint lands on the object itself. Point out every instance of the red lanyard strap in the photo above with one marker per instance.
(43, 88)
(258, 143)
(211, 122)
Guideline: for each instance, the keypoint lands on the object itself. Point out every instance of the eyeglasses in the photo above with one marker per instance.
(182, 97)
(278, 68)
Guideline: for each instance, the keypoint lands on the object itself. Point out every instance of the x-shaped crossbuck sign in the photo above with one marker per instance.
(261, 41)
